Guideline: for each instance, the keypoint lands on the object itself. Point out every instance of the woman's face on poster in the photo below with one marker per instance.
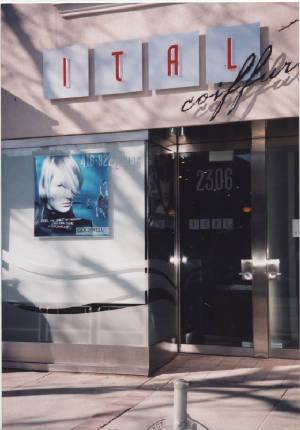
(60, 195)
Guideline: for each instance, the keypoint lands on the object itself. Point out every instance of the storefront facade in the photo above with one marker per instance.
(182, 233)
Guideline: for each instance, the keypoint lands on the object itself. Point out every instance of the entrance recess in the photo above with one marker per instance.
(226, 234)
(233, 296)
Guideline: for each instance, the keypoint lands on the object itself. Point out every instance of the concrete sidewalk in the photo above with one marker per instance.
(226, 393)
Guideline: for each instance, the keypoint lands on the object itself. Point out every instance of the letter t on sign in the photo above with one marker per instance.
(118, 67)
(117, 55)
(173, 60)
(230, 66)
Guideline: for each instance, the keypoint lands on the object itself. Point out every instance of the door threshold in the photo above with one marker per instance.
(217, 350)
(290, 354)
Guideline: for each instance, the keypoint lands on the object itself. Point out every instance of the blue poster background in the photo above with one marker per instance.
(87, 205)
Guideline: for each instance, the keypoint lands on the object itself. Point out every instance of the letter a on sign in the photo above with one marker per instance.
(174, 61)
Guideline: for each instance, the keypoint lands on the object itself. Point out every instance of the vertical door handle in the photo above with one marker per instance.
(273, 269)
(246, 270)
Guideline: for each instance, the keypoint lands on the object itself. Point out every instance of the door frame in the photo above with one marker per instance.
(260, 299)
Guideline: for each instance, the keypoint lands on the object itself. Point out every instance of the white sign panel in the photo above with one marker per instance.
(174, 61)
(118, 67)
(227, 49)
(66, 72)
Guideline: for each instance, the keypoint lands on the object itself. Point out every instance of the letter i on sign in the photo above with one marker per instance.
(230, 66)
(66, 72)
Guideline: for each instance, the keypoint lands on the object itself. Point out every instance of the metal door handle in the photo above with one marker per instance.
(247, 276)
(274, 275)
(246, 270)
(273, 269)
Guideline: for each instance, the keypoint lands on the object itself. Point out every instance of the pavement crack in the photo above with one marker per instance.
(32, 381)
(116, 416)
(125, 403)
(273, 408)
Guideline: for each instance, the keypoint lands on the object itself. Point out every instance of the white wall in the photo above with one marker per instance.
(29, 29)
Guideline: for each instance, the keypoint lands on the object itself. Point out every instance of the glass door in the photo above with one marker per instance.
(215, 246)
(282, 159)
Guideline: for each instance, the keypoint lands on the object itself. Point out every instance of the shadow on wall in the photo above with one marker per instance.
(13, 107)
(95, 324)
(21, 27)
(14, 20)
(19, 325)
(21, 77)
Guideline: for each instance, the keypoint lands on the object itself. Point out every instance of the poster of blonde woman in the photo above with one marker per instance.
(72, 195)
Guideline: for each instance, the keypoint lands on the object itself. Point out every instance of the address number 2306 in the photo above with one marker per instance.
(214, 179)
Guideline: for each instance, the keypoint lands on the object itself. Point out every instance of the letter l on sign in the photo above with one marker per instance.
(230, 66)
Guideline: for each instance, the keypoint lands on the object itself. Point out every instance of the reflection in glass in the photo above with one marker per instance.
(161, 240)
(283, 243)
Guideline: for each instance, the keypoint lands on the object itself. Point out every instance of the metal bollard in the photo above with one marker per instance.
(180, 420)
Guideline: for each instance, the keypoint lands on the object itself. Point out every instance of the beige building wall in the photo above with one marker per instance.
(29, 29)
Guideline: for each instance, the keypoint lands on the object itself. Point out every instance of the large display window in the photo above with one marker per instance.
(73, 236)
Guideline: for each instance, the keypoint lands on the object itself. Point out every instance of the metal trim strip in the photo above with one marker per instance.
(259, 241)
(75, 139)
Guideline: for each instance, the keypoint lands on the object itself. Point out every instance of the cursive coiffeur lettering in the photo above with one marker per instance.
(241, 83)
